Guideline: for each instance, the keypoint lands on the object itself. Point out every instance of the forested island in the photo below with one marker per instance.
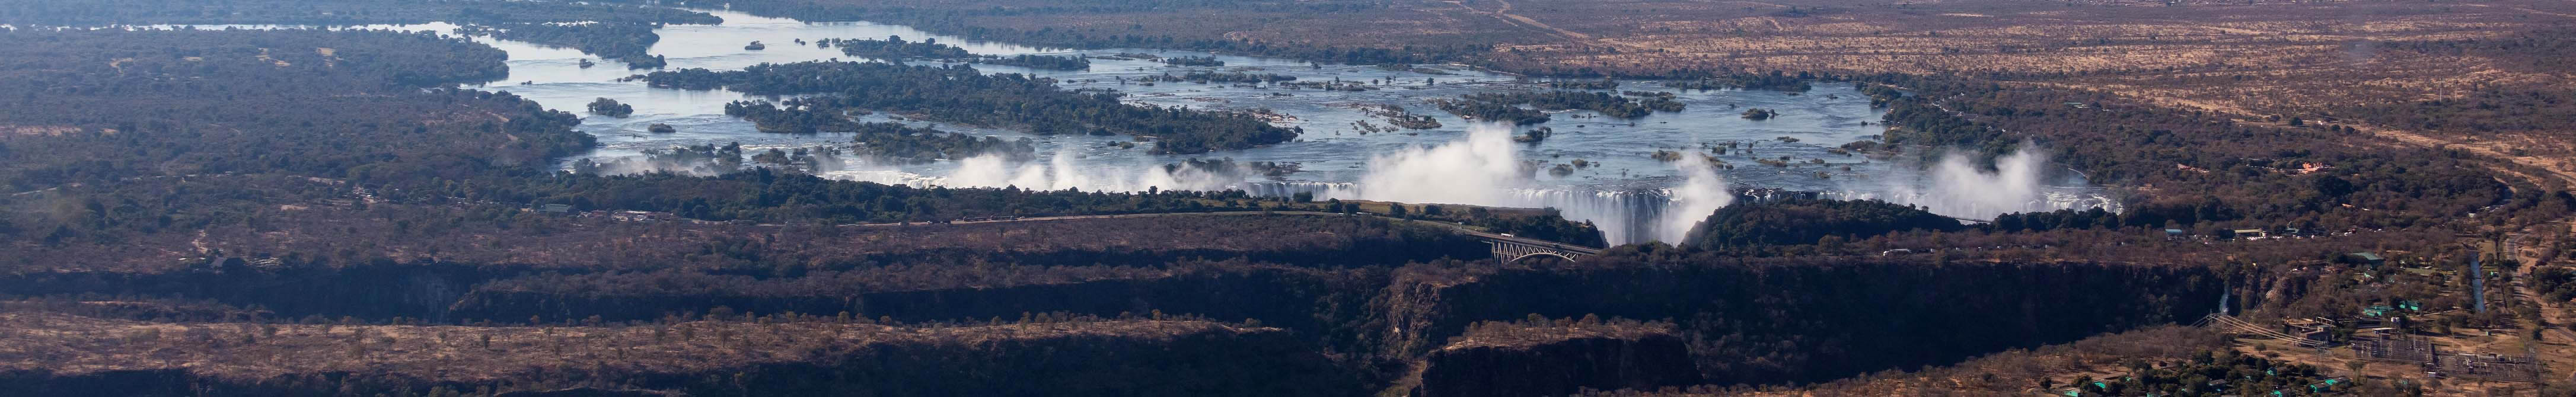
(962, 94)
(610, 108)
(769, 117)
(1397, 116)
(895, 48)
(1192, 60)
(1210, 76)
(1508, 106)
(1491, 111)
(1775, 80)
(1606, 103)
(1033, 61)
(921, 145)
(619, 41)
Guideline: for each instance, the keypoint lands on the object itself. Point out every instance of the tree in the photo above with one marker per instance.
(610, 108)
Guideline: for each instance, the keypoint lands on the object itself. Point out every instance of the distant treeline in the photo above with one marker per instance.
(331, 12)
(954, 22)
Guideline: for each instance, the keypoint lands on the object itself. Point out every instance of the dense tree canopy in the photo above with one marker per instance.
(961, 94)
(2214, 169)
(1805, 221)
(621, 41)
(329, 12)
(1529, 107)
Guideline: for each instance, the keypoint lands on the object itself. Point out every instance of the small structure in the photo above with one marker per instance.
(2377, 311)
(2311, 329)
(2399, 348)
(2175, 234)
(2366, 258)
(2252, 234)
(642, 216)
(2491, 366)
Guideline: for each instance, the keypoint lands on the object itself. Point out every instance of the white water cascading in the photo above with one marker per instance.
(1485, 169)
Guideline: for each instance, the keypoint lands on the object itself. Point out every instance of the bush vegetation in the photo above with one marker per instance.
(962, 94)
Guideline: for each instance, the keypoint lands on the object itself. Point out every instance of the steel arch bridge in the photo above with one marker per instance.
(1514, 250)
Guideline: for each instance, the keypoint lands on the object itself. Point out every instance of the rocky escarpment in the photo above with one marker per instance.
(1774, 321)
(45, 354)
(1551, 359)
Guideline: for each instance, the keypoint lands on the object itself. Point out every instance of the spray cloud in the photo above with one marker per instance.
(1702, 193)
(1065, 172)
(1956, 186)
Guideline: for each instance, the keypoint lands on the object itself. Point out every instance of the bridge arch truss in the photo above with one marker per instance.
(1513, 251)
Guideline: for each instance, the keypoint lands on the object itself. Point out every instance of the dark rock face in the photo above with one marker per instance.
(584, 392)
(1558, 368)
(1782, 322)
(1212, 362)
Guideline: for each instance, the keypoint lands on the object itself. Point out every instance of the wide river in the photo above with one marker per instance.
(1632, 195)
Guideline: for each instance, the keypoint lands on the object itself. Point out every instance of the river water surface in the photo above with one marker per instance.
(1633, 196)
